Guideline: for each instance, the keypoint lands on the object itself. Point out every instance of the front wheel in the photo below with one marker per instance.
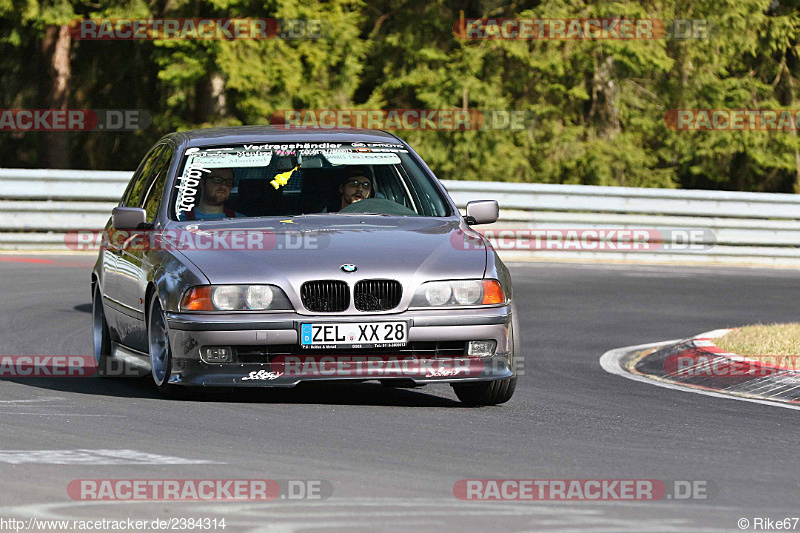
(159, 349)
(486, 392)
(101, 336)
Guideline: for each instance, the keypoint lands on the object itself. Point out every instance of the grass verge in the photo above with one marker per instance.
(763, 341)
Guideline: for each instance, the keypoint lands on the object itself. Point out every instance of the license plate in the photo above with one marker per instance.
(354, 335)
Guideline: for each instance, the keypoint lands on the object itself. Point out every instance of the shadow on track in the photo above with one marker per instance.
(371, 394)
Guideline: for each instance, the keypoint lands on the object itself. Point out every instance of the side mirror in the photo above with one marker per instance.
(128, 217)
(482, 212)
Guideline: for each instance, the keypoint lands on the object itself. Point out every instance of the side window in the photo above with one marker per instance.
(390, 186)
(137, 188)
(136, 177)
(155, 191)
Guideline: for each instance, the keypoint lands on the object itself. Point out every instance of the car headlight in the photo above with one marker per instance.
(459, 292)
(437, 293)
(467, 292)
(234, 298)
(226, 297)
(258, 296)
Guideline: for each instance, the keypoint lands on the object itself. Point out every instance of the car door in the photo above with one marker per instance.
(133, 262)
(112, 246)
(128, 314)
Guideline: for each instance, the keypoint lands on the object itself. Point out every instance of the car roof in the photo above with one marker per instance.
(273, 134)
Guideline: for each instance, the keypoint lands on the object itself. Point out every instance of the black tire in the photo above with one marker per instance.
(160, 351)
(101, 336)
(486, 392)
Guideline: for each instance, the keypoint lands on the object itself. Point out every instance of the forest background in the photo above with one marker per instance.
(597, 107)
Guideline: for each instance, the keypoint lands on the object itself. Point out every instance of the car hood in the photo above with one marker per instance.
(303, 248)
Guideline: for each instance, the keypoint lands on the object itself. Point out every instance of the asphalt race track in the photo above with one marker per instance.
(392, 456)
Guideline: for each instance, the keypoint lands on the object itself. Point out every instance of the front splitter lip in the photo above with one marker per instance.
(470, 370)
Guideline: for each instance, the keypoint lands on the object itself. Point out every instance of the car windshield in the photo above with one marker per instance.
(290, 179)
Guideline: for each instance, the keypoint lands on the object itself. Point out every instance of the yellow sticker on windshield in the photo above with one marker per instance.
(282, 178)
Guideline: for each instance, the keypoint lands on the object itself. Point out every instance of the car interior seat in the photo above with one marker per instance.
(257, 198)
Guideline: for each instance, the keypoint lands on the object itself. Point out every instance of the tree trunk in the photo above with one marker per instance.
(604, 112)
(54, 151)
(797, 167)
(210, 100)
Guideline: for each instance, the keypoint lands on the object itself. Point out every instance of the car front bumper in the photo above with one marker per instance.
(190, 332)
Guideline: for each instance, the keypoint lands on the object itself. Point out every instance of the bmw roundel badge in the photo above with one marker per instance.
(349, 268)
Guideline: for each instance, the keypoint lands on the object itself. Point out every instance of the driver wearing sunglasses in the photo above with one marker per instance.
(355, 187)
(215, 190)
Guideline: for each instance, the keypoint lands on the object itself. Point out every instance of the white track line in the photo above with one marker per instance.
(393, 514)
(93, 457)
(34, 400)
(610, 361)
(15, 413)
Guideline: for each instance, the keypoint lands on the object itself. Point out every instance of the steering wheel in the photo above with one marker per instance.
(378, 205)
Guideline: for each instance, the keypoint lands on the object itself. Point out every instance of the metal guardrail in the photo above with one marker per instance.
(38, 206)
(737, 227)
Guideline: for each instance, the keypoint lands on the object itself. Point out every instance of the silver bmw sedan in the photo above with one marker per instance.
(263, 256)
